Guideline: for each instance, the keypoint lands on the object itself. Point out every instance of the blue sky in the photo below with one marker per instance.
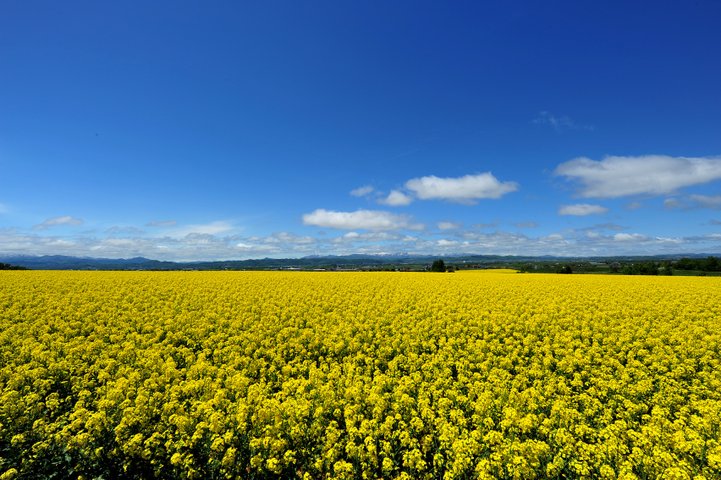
(223, 130)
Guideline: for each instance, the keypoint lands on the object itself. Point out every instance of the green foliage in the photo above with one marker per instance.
(641, 268)
(7, 266)
(438, 266)
(708, 264)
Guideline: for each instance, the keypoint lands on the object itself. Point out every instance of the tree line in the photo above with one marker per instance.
(7, 266)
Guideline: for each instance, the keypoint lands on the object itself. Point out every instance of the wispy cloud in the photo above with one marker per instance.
(358, 220)
(712, 202)
(467, 189)
(672, 203)
(362, 191)
(615, 176)
(485, 225)
(65, 220)
(707, 201)
(161, 223)
(211, 228)
(526, 224)
(581, 209)
(124, 230)
(449, 225)
(559, 123)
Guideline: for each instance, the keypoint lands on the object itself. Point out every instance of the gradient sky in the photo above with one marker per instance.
(227, 130)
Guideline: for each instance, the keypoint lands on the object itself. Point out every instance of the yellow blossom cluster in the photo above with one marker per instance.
(359, 375)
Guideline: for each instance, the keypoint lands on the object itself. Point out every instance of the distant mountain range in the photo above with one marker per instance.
(401, 260)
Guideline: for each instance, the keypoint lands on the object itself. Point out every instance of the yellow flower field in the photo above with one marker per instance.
(359, 375)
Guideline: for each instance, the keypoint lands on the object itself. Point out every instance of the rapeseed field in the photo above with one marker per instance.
(359, 375)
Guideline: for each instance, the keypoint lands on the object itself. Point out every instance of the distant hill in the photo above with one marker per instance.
(374, 262)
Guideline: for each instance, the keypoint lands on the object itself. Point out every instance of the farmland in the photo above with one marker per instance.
(359, 375)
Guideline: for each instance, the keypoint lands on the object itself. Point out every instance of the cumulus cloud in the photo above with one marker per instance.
(467, 189)
(59, 221)
(362, 191)
(581, 209)
(396, 199)
(618, 176)
(358, 220)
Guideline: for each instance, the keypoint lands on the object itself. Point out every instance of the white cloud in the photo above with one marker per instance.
(362, 191)
(555, 237)
(466, 189)
(581, 209)
(673, 240)
(617, 176)
(629, 237)
(59, 221)
(449, 225)
(446, 243)
(358, 220)
(373, 236)
(396, 199)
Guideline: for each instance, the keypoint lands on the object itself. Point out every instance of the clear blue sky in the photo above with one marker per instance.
(219, 130)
